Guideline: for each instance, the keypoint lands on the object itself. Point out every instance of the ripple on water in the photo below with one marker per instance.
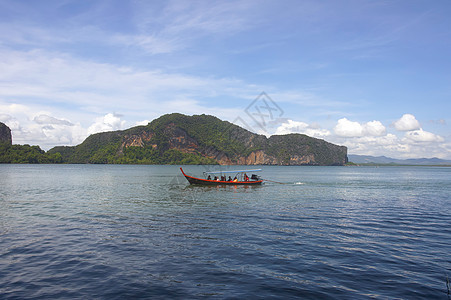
(129, 232)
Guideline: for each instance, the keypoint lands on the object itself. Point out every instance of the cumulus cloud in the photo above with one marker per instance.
(422, 136)
(371, 138)
(291, 126)
(4, 117)
(410, 145)
(109, 122)
(376, 145)
(407, 122)
(374, 128)
(47, 130)
(42, 129)
(10, 121)
(60, 134)
(346, 128)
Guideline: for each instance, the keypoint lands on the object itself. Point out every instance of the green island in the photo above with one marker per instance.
(181, 139)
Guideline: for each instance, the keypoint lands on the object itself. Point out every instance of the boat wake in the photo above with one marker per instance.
(270, 182)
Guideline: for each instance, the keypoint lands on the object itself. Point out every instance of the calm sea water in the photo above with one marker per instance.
(117, 232)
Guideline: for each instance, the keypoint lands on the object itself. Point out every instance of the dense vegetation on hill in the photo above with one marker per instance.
(23, 154)
(26, 154)
(199, 139)
(181, 139)
(105, 148)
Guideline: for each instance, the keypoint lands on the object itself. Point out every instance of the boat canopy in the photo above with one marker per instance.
(236, 171)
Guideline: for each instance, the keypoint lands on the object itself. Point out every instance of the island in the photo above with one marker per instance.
(199, 139)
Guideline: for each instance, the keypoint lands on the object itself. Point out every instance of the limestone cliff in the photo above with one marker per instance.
(201, 139)
(5, 134)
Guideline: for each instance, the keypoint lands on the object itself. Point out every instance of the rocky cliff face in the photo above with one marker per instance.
(201, 139)
(292, 149)
(136, 140)
(5, 134)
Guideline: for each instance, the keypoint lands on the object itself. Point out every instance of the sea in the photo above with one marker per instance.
(142, 232)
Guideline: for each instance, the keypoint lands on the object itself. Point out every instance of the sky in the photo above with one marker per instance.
(374, 76)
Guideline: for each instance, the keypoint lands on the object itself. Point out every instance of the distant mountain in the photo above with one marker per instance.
(366, 159)
(200, 139)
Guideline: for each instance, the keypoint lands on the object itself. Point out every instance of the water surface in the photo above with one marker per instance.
(114, 232)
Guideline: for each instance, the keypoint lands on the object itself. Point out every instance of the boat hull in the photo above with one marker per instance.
(195, 180)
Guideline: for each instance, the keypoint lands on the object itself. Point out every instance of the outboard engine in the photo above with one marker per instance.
(255, 177)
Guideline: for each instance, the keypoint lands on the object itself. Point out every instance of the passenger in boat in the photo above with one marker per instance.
(216, 178)
(230, 178)
(235, 179)
(223, 178)
(246, 178)
(209, 177)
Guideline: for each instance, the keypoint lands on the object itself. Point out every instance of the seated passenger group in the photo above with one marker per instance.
(224, 178)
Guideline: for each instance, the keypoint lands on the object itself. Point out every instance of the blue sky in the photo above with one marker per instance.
(374, 76)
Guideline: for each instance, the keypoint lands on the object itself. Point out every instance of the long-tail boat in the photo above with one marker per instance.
(240, 178)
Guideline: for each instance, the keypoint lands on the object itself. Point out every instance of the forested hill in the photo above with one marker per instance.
(27, 154)
(200, 139)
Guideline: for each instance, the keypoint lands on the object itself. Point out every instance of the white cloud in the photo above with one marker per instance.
(58, 134)
(414, 144)
(14, 115)
(13, 108)
(346, 128)
(70, 88)
(291, 126)
(43, 130)
(10, 121)
(407, 122)
(376, 145)
(109, 122)
(374, 128)
(142, 123)
(422, 136)
(30, 126)
(58, 80)
(371, 138)
(48, 131)
(46, 119)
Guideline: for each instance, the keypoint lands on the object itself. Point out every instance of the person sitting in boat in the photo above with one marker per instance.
(230, 178)
(216, 178)
(246, 178)
(223, 178)
(235, 179)
(209, 177)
